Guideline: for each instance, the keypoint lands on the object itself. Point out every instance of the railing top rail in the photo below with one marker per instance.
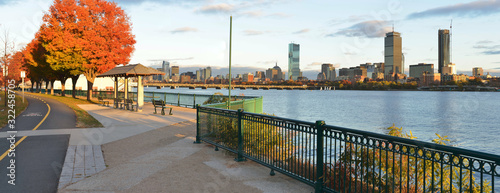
(418, 143)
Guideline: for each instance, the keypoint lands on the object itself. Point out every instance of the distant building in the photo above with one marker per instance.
(370, 69)
(175, 70)
(260, 75)
(247, 77)
(353, 73)
(293, 61)
(165, 68)
(454, 77)
(443, 49)
(275, 73)
(449, 69)
(393, 53)
(208, 72)
(328, 72)
(477, 72)
(185, 79)
(417, 71)
(198, 75)
(430, 79)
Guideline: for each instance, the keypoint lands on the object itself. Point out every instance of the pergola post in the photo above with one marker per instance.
(140, 94)
(126, 88)
(116, 88)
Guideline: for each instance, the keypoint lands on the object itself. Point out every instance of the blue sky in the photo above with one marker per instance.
(345, 33)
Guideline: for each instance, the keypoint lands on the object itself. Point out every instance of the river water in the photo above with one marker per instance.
(470, 119)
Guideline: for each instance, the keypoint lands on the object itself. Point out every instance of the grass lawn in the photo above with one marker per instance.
(4, 112)
(83, 119)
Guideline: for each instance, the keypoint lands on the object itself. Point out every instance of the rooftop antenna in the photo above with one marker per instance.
(392, 25)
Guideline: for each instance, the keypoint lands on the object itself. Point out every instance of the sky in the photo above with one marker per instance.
(195, 33)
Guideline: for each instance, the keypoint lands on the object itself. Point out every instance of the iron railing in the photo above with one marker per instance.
(251, 103)
(336, 159)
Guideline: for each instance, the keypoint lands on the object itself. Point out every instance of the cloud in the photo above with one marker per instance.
(281, 15)
(487, 47)
(485, 42)
(302, 31)
(492, 52)
(217, 8)
(253, 14)
(183, 30)
(254, 32)
(472, 9)
(369, 29)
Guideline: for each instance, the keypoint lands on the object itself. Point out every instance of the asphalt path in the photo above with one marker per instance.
(38, 159)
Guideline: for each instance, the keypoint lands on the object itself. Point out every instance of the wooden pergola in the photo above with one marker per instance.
(131, 70)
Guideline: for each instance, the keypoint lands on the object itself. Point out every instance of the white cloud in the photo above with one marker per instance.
(217, 8)
(184, 30)
(369, 29)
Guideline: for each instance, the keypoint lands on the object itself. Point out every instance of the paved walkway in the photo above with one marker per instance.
(144, 152)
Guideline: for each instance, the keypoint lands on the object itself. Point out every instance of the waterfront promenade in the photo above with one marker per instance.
(144, 152)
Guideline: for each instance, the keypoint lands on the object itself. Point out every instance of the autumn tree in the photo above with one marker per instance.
(61, 38)
(107, 38)
(86, 36)
(36, 62)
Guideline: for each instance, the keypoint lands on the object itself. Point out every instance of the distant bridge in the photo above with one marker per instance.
(242, 87)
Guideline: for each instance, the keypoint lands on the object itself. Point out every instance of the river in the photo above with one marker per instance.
(470, 119)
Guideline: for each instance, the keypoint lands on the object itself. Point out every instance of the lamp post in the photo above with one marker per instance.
(230, 44)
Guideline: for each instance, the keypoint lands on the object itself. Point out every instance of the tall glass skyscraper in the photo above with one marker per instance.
(393, 53)
(443, 49)
(166, 69)
(293, 61)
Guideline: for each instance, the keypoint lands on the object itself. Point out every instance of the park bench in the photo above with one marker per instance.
(161, 104)
(101, 100)
(117, 102)
(129, 104)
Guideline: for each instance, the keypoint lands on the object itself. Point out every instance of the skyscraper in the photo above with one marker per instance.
(393, 53)
(329, 72)
(443, 49)
(165, 66)
(293, 61)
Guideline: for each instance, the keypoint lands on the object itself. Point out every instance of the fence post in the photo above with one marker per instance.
(178, 99)
(197, 124)
(240, 138)
(194, 100)
(319, 157)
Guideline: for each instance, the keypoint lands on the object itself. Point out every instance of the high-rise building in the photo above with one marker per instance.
(175, 70)
(393, 53)
(328, 72)
(477, 71)
(275, 74)
(247, 77)
(417, 71)
(443, 49)
(293, 61)
(208, 72)
(165, 66)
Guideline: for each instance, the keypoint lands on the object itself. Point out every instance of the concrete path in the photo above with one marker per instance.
(145, 152)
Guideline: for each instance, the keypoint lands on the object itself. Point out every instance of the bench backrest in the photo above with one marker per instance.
(129, 101)
(100, 98)
(158, 102)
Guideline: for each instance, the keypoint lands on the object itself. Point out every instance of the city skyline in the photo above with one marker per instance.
(200, 29)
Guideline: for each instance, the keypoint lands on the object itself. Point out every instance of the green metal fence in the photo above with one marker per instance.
(249, 103)
(336, 159)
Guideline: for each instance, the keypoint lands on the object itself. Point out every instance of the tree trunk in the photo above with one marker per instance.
(52, 87)
(32, 85)
(74, 79)
(47, 87)
(39, 87)
(89, 90)
(63, 88)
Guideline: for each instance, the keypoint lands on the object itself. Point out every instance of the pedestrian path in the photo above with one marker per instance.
(81, 162)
